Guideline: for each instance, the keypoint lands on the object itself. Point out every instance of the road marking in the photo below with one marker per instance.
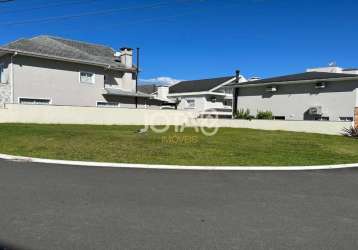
(173, 167)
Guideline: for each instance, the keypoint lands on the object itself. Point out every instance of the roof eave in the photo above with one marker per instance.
(243, 85)
(196, 93)
(119, 92)
(223, 84)
(64, 59)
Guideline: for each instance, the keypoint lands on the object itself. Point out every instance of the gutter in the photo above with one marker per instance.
(196, 94)
(58, 58)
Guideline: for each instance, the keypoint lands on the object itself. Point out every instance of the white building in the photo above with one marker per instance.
(207, 96)
(158, 93)
(329, 93)
(56, 71)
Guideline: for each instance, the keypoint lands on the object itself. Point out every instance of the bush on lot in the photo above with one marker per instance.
(351, 132)
(264, 115)
(244, 114)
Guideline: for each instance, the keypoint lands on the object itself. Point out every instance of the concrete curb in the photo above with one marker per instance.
(173, 167)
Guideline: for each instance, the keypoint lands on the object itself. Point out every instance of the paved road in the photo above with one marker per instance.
(62, 207)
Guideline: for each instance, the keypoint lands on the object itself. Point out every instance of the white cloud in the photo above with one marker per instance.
(162, 80)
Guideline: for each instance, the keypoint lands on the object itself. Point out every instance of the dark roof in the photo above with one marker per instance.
(300, 77)
(350, 69)
(198, 85)
(56, 47)
(148, 88)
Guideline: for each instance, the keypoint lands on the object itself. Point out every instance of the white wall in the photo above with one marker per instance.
(202, 103)
(292, 101)
(47, 114)
(320, 127)
(50, 114)
(59, 81)
(5, 82)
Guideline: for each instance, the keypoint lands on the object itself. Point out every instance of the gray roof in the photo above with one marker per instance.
(147, 88)
(198, 85)
(299, 77)
(60, 48)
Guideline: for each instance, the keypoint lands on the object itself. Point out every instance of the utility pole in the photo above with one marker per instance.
(235, 95)
(136, 80)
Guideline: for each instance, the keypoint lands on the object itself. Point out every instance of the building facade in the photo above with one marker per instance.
(206, 97)
(57, 71)
(319, 94)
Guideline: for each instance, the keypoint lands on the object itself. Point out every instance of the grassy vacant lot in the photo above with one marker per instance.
(123, 144)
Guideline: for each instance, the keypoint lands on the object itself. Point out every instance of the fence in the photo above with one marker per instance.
(51, 114)
(48, 114)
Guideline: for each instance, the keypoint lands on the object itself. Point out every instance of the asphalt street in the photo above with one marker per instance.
(64, 207)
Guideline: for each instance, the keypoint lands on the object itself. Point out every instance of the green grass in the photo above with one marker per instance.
(122, 144)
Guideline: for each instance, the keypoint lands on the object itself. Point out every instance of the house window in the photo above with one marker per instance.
(322, 118)
(87, 77)
(191, 103)
(279, 118)
(227, 103)
(108, 104)
(346, 119)
(2, 74)
(34, 101)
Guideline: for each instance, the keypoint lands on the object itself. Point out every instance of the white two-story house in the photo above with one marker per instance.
(56, 71)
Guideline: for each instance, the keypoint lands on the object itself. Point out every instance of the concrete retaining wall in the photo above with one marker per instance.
(321, 127)
(47, 114)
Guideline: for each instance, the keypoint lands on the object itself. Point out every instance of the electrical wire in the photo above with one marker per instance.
(94, 13)
(146, 20)
(52, 5)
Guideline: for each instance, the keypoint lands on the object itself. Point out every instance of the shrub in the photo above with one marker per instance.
(351, 132)
(243, 114)
(264, 115)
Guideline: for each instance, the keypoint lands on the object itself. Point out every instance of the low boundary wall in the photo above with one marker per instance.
(321, 127)
(51, 114)
(48, 114)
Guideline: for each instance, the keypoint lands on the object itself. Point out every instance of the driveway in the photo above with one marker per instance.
(64, 207)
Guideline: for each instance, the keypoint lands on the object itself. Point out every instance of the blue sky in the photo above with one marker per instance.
(188, 39)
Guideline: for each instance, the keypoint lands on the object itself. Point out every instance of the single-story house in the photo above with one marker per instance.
(58, 71)
(206, 96)
(329, 93)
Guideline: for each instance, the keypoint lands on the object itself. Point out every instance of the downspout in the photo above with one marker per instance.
(235, 95)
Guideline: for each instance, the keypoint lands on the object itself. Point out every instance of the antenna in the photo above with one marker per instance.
(333, 64)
